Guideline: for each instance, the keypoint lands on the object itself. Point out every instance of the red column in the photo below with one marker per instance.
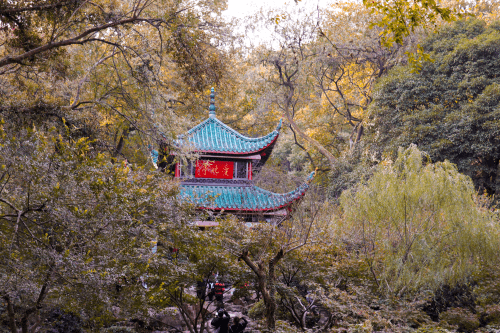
(177, 171)
(250, 170)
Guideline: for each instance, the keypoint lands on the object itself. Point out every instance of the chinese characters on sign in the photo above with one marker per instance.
(214, 169)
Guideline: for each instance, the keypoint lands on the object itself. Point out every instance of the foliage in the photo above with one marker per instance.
(320, 78)
(400, 18)
(445, 297)
(332, 283)
(171, 275)
(450, 109)
(491, 314)
(285, 327)
(354, 166)
(484, 10)
(417, 225)
(257, 310)
(72, 225)
(91, 238)
(60, 322)
(118, 72)
(432, 329)
(488, 285)
(263, 247)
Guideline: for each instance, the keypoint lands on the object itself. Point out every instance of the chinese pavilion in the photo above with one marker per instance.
(221, 178)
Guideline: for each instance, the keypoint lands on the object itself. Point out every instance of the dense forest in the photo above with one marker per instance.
(395, 104)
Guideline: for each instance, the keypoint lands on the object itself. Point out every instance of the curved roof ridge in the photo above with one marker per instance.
(300, 187)
(233, 131)
(212, 135)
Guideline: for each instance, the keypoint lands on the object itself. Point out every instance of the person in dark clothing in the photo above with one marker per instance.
(221, 322)
(201, 289)
(211, 292)
(238, 327)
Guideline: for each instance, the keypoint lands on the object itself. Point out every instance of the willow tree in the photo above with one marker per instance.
(418, 225)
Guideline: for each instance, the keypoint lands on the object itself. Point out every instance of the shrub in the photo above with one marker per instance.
(463, 319)
(285, 327)
(365, 327)
(59, 321)
(458, 296)
(491, 315)
(257, 310)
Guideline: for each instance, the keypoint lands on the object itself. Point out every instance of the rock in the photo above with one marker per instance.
(115, 310)
(238, 301)
(236, 308)
(170, 316)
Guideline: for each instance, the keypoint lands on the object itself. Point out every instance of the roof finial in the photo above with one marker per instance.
(211, 109)
(279, 125)
(311, 176)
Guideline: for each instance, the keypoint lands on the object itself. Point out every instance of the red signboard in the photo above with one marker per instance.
(214, 169)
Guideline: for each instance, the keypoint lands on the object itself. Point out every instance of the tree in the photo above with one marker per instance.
(173, 275)
(481, 9)
(350, 59)
(263, 247)
(401, 18)
(450, 109)
(303, 281)
(419, 225)
(72, 225)
(36, 32)
(110, 70)
(287, 69)
(320, 77)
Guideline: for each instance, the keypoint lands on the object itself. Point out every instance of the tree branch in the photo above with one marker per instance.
(77, 40)
(50, 6)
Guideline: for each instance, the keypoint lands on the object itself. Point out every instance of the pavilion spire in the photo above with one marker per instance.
(211, 109)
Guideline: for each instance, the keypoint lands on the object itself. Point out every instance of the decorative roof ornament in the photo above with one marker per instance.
(311, 176)
(154, 155)
(211, 108)
(279, 125)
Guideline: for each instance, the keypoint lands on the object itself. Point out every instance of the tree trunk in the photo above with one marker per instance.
(270, 313)
(497, 181)
(266, 285)
(271, 306)
(121, 142)
(12, 315)
(24, 324)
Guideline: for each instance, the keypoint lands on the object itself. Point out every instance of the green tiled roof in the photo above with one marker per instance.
(213, 136)
(240, 198)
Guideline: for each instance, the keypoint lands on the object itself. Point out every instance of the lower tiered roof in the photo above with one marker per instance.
(243, 198)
